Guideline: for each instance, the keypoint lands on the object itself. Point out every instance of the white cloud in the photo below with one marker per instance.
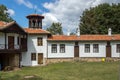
(29, 5)
(49, 18)
(69, 12)
(11, 12)
(26, 3)
(37, 9)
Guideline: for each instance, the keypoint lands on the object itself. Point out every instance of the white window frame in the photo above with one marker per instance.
(95, 48)
(87, 48)
(62, 48)
(54, 48)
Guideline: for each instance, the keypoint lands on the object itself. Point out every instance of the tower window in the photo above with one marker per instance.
(33, 24)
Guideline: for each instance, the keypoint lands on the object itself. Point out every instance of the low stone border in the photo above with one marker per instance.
(55, 60)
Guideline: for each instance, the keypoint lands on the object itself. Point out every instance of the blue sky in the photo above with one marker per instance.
(67, 12)
(21, 10)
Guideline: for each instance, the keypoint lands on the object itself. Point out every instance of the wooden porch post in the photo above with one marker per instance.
(19, 41)
(20, 60)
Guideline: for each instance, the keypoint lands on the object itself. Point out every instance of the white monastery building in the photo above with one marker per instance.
(34, 46)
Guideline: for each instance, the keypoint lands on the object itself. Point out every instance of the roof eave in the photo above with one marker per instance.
(83, 40)
(38, 33)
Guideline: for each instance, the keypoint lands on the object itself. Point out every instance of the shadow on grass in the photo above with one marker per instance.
(18, 77)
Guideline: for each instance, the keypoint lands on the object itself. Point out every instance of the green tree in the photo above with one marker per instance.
(72, 33)
(55, 28)
(4, 16)
(97, 20)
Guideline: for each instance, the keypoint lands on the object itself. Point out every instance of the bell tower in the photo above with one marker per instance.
(35, 21)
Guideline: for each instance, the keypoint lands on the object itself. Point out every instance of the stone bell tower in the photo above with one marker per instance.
(35, 21)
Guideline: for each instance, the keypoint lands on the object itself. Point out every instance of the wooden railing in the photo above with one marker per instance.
(13, 47)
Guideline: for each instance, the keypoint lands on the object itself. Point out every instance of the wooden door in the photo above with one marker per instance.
(23, 43)
(108, 51)
(76, 51)
(40, 58)
(10, 42)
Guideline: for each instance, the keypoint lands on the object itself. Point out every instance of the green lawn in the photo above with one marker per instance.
(67, 71)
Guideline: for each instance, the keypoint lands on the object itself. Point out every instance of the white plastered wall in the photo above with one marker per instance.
(101, 53)
(69, 50)
(34, 48)
(113, 49)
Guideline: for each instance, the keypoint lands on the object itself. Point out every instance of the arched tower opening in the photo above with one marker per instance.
(35, 21)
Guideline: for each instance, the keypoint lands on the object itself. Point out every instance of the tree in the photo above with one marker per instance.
(97, 20)
(55, 28)
(4, 16)
(72, 33)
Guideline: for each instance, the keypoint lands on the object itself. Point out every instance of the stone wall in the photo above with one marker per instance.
(16, 60)
(55, 60)
(108, 59)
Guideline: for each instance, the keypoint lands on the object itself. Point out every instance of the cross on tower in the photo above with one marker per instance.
(35, 10)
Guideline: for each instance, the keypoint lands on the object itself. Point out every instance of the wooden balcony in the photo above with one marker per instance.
(12, 48)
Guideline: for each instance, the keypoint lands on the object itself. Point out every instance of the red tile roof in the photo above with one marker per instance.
(5, 24)
(36, 31)
(35, 15)
(2, 23)
(84, 38)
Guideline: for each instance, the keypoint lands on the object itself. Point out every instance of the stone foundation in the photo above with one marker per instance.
(57, 60)
(97, 59)
(91, 59)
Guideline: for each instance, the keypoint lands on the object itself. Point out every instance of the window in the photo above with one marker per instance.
(40, 41)
(33, 56)
(95, 48)
(62, 48)
(87, 48)
(118, 48)
(54, 48)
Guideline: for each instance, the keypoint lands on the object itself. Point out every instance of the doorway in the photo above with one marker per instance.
(76, 50)
(108, 49)
(10, 42)
(40, 58)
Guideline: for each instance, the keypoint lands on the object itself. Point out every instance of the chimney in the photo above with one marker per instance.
(78, 32)
(68, 33)
(109, 32)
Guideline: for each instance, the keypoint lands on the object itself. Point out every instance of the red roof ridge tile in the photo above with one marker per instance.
(36, 31)
(97, 37)
(2, 23)
(5, 24)
(35, 15)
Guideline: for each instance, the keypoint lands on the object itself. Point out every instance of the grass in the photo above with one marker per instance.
(67, 71)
